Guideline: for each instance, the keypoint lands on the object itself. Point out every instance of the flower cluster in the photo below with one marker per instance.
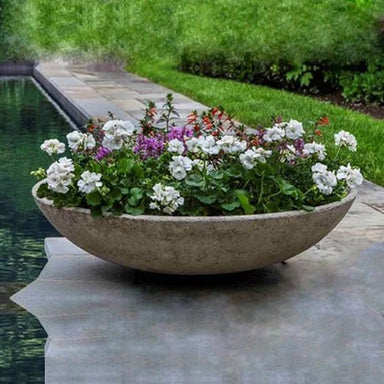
(324, 179)
(89, 182)
(59, 175)
(78, 142)
(117, 133)
(52, 147)
(165, 199)
(209, 166)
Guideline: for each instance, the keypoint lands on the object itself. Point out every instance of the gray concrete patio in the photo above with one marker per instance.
(319, 319)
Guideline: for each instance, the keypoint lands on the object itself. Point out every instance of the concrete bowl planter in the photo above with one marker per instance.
(195, 245)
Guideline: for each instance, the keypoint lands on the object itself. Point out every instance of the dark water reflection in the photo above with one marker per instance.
(27, 118)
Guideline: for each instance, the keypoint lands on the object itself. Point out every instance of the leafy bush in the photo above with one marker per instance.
(292, 45)
(365, 87)
(308, 78)
(15, 43)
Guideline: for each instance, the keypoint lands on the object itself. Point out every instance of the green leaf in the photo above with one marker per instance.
(234, 172)
(93, 198)
(134, 210)
(124, 165)
(305, 79)
(126, 182)
(195, 181)
(206, 199)
(231, 206)
(115, 194)
(136, 196)
(138, 170)
(42, 191)
(308, 208)
(217, 175)
(289, 189)
(247, 207)
(137, 192)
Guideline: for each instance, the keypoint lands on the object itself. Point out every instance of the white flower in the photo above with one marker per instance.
(208, 145)
(112, 126)
(117, 133)
(89, 182)
(59, 175)
(288, 154)
(113, 143)
(90, 142)
(319, 168)
(52, 147)
(179, 166)
(78, 141)
(250, 157)
(165, 198)
(346, 139)
(294, 130)
(75, 140)
(176, 146)
(179, 173)
(261, 154)
(205, 144)
(247, 159)
(315, 149)
(274, 134)
(325, 180)
(193, 145)
(231, 144)
(66, 164)
(201, 165)
(352, 176)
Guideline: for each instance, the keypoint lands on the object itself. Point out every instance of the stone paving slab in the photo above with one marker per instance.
(318, 319)
(91, 91)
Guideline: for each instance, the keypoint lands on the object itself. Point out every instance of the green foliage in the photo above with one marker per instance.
(287, 44)
(278, 32)
(15, 41)
(366, 87)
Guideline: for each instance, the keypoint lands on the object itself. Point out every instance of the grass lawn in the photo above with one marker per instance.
(253, 104)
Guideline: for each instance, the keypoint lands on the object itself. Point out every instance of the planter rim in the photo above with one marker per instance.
(193, 219)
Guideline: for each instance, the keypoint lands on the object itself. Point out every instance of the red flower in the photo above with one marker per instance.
(323, 121)
(91, 127)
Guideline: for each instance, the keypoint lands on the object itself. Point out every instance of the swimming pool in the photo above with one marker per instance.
(27, 118)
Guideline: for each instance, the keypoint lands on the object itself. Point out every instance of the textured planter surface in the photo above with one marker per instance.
(195, 245)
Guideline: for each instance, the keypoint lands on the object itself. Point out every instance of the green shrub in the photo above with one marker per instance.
(292, 45)
(277, 31)
(366, 87)
(308, 78)
(15, 42)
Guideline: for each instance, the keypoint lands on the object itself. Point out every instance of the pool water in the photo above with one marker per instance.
(27, 118)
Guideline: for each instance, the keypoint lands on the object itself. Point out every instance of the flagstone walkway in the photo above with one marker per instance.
(91, 91)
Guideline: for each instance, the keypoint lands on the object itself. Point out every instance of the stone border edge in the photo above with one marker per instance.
(17, 69)
(78, 115)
